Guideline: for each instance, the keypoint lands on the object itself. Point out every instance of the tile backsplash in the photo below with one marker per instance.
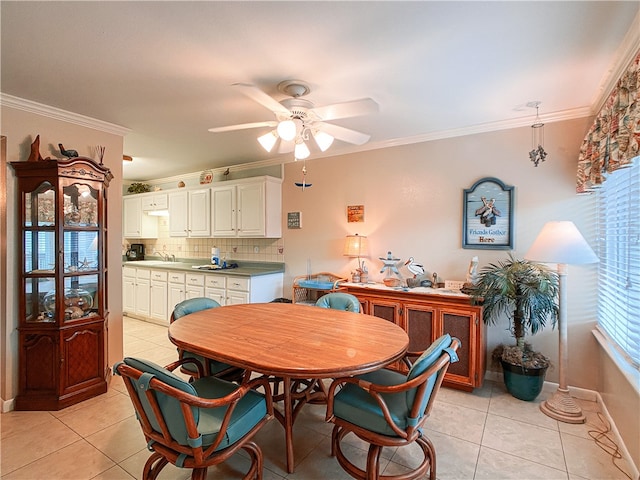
(249, 249)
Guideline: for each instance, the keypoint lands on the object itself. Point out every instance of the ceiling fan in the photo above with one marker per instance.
(298, 119)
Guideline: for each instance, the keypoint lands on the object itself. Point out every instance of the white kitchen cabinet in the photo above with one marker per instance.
(190, 213)
(215, 288)
(194, 285)
(143, 292)
(129, 290)
(158, 296)
(176, 291)
(248, 208)
(238, 290)
(152, 293)
(135, 222)
(154, 202)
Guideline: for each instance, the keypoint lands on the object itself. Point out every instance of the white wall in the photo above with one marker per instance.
(412, 197)
(20, 128)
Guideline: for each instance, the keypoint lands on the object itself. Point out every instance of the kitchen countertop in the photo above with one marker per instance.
(245, 269)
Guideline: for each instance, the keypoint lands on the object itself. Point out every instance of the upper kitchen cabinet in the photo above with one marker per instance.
(190, 213)
(155, 202)
(250, 207)
(136, 223)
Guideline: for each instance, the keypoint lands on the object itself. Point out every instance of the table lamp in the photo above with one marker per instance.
(561, 243)
(356, 246)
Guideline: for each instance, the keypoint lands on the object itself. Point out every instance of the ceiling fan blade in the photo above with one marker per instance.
(262, 98)
(344, 134)
(355, 108)
(243, 126)
(286, 146)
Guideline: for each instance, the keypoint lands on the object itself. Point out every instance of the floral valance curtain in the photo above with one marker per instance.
(614, 138)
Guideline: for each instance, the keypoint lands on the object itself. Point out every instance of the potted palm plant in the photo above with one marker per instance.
(526, 293)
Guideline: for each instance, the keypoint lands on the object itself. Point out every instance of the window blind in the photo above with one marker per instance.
(618, 247)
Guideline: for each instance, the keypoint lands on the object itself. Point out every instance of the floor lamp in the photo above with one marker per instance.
(562, 243)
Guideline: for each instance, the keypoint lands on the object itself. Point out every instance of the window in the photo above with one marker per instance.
(618, 207)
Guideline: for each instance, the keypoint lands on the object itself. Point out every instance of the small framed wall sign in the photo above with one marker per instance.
(487, 220)
(294, 220)
(355, 213)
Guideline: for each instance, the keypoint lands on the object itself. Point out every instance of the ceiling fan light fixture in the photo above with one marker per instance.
(323, 139)
(287, 130)
(268, 140)
(301, 151)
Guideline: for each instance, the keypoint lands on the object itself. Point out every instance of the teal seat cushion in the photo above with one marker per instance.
(193, 305)
(339, 301)
(169, 406)
(356, 406)
(250, 410)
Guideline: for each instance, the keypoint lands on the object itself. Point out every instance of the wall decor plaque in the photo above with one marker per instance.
(487, 220)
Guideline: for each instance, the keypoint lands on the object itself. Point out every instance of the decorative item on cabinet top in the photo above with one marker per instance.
(138, 187)
(206, 177)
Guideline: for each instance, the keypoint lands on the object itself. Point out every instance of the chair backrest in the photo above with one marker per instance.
(192, 305)
(169, 415)
(339, 301)
(435, 360)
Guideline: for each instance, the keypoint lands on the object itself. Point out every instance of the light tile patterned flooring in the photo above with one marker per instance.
(484, 435)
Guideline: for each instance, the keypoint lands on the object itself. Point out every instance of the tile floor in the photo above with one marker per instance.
(484, 435)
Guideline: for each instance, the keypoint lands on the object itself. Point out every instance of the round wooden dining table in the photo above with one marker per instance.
(291, 341)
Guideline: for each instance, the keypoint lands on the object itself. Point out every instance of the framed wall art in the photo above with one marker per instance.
(487, 219)
(294, 220)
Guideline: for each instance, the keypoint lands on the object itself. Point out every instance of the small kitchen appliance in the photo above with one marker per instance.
(135, 252)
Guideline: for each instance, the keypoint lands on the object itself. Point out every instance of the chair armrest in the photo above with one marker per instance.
(173, 365)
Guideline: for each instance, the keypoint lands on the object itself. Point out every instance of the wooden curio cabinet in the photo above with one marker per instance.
(63, 290)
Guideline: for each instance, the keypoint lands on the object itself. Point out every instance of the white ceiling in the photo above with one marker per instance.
(164, 69)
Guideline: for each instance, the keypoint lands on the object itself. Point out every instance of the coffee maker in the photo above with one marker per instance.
(135, 252)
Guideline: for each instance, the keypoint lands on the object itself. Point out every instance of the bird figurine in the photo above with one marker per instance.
(35, 156)
(414, 267)
(67, 153)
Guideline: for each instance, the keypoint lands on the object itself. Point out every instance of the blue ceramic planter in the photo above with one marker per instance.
(523, 383)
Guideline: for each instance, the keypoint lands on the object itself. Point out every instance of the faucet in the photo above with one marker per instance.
(166, 257)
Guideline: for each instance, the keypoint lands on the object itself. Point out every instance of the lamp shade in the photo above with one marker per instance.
(287, 130)
(356, 246)
(268, 140)
(323, 139)
(301, 151)
(561, 242)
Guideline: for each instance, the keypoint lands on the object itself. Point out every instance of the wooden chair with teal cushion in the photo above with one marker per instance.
(195, 425)
(211, 367)
(386, 408)
(339, 301)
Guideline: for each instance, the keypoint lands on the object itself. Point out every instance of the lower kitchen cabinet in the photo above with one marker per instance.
(152, 293)
(425, 317)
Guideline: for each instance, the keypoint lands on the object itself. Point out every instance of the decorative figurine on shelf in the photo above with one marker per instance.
(390, 264)
(35, 156)
(414, 267)
(67, 153)
(472, 276)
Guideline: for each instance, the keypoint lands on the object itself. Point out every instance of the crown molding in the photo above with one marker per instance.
(59, 114)
(629, 48)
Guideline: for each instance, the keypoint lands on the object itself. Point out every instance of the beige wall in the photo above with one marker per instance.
(412, 197)
(20, 128)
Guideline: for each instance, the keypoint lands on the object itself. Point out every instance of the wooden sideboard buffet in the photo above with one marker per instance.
(425, 314)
